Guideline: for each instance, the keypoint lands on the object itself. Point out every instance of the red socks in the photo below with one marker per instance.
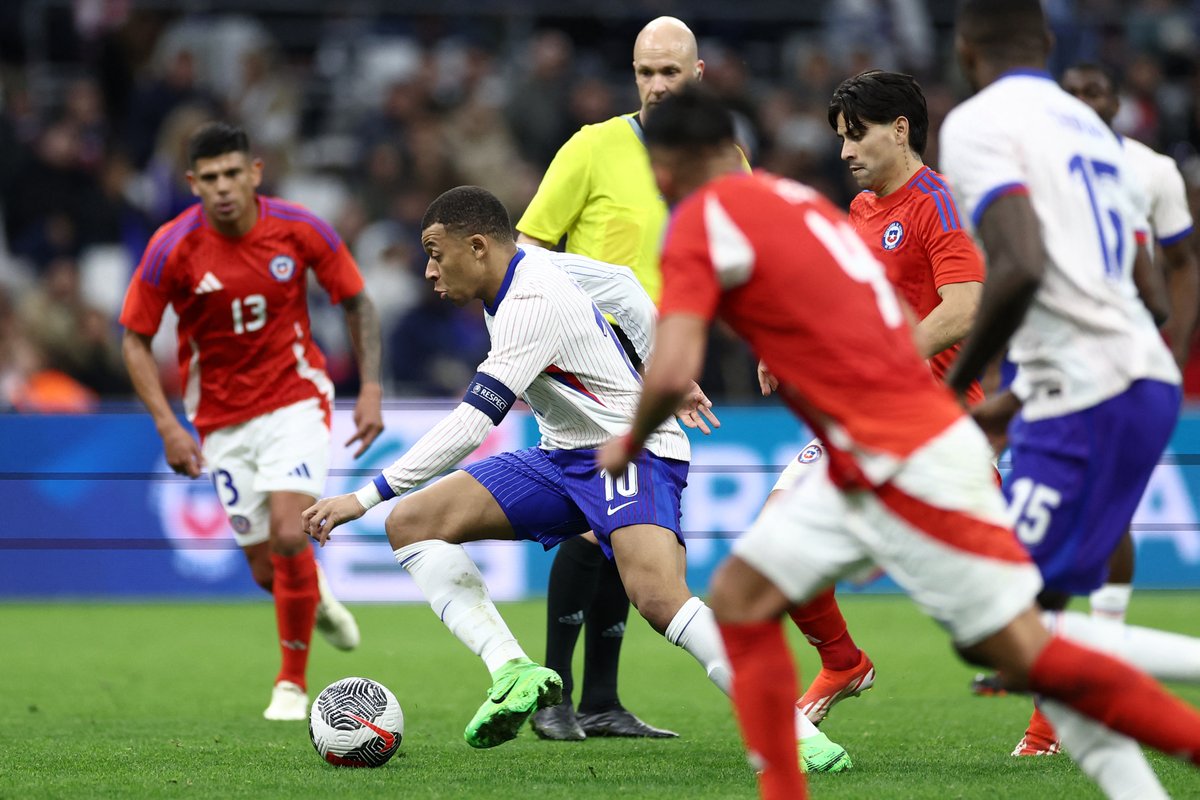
(296, 598)
(822, 623)
(1117, 696)
(764, 697)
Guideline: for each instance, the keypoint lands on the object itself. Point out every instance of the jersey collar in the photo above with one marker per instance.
(1026, 72)
(635, 122)
(508, 276)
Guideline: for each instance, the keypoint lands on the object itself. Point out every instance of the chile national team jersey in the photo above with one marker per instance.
(918, 236)
(245, 344)
(786, 270)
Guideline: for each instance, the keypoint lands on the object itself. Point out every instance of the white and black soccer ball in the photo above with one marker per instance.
(356, 722)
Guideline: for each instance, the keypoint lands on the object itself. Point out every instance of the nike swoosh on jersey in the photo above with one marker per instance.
(612, 511)
(388, 737)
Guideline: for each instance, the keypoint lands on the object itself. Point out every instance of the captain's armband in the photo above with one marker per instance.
(490, 396)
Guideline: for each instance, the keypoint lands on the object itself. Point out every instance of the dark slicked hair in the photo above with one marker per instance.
(1006, 30)
(692, 118)
(216, 139)
(468, 210)
(881, 98)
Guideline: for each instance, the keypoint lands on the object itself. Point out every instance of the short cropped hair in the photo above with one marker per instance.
(881, 98)
(1114, 83)
(468, 210)
(692, 118)
(1004, 29)
(216, 139)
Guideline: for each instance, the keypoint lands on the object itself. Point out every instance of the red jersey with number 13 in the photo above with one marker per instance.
(917, 235)
(245, 341)
(786, 270)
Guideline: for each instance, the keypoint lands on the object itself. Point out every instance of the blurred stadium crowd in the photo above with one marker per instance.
(365, 114)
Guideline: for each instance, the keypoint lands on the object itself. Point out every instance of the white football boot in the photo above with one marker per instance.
(288, 703)
(334, 620)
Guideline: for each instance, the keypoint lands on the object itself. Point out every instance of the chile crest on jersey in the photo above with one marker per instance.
(282, 268)
(893, 234)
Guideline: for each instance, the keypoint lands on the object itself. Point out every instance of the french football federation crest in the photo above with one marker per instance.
(283, 268)
(893, 235)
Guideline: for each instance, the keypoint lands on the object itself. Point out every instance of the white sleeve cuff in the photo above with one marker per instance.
(369, 496)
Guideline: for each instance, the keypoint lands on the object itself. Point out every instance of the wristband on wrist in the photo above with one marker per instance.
(368, 496)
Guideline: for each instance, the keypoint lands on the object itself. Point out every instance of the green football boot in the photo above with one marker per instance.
(820, 754)
(519, 688)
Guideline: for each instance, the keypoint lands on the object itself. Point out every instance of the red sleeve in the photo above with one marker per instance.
(952, 253)
(337, 272)
(689, 280)
(152, 285)
(324, 251)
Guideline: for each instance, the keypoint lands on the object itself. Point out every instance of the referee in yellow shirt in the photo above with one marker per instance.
(600, 193)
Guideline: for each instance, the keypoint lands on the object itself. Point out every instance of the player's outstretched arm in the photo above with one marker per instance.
(1016, 256)
(362, 320)
(181, 449)
(319, 519)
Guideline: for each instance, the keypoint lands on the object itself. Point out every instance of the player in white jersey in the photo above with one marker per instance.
(1173, 248)
(1048, 193)
(551, 346)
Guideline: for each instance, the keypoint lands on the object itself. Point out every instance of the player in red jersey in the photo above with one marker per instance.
(908, 218)
(907, 483)
(234, 268)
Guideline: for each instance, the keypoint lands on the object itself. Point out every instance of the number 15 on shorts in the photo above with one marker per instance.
(1031, 509)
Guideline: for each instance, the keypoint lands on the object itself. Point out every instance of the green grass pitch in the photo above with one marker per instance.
(165, 701)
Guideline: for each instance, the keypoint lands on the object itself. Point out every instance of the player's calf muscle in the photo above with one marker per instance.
(741, 594)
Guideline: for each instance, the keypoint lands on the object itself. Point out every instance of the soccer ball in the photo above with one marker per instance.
(356, 722)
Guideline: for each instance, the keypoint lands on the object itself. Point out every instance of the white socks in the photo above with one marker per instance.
(694, 628)
(455, 590)
(1111, 601)
(1166, 656)
(1115, 762)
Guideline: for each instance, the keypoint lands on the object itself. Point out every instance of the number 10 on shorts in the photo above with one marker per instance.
(623, 485)
(1031, 508)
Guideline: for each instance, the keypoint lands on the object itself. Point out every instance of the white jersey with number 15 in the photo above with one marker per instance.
(1087, 336)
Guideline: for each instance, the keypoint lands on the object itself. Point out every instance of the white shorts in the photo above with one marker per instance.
(938, 528)
(285, 450)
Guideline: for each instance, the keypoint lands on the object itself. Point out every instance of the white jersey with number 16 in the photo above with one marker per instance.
(1087, 336)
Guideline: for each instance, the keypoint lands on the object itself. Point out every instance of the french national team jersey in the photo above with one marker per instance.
(552, 346)
(918, 236)
(245, 343)
(787, 271)
(1159, 178)
(1087, 335)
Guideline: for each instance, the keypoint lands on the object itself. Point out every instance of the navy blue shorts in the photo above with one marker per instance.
(1077, 479)
(551, 495)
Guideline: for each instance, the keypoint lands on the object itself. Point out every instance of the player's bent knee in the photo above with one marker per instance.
(402, 528)
(657, 608)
